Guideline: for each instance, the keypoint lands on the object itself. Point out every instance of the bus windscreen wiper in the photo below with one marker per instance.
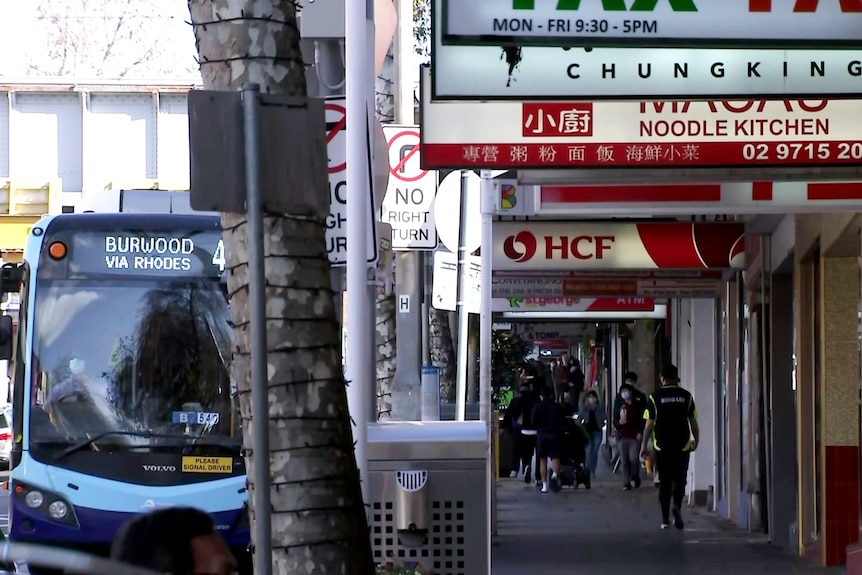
(92, 440)
(147, 435)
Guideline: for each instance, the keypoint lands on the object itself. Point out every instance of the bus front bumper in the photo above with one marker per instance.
(96, 527)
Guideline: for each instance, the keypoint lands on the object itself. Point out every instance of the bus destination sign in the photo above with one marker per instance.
(148, 254)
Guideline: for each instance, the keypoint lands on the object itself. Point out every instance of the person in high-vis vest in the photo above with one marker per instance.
(671, 420)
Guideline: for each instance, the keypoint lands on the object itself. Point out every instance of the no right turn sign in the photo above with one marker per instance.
(410, 194)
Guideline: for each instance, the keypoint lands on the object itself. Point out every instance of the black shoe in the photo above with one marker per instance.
(637, 482)
(527, 475)
(677, 518)
(627, 487)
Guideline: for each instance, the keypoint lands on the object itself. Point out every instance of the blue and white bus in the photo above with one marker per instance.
(122, 394)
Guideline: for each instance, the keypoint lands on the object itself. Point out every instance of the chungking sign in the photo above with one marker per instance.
(478, 73)
(711, 133)
(545, 73)
(690, 23)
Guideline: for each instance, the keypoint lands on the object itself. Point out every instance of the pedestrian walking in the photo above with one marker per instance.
(630, 426)
(672, 422)
(548, 418)
(593, 418)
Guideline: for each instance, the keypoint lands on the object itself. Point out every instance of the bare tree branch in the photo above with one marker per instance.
(109, 38)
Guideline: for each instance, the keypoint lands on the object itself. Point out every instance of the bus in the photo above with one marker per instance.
(122, 393)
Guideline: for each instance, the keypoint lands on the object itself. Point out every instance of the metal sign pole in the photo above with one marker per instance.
(360, 322)
(463, 313)
(258, 347)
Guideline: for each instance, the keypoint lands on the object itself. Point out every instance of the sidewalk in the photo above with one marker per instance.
(606, 530)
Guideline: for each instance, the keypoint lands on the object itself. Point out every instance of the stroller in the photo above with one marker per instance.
(573, 455)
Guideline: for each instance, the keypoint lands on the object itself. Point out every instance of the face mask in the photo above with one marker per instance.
(76, 366)
(626, 395)
(591, 400)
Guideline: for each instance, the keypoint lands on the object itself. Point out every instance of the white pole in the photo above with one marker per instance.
(359, 322)
(461, 306)
(486, 206)
(405, 107)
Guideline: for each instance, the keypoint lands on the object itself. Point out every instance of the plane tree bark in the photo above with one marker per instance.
(318, 517)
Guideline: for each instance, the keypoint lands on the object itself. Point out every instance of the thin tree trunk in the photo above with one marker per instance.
(443, 352)
(386, 349)
(385, 308)
(318, 517)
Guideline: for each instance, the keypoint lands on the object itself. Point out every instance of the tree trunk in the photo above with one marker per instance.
(386, 348)
(318, 517)
(385, 308)
(443, 352)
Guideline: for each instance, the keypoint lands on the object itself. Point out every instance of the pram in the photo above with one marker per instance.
(573, 455)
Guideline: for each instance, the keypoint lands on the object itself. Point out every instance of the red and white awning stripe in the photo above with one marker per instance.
(735, 198)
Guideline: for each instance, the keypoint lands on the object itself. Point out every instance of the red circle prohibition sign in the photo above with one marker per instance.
(331, 133)
(395, 170)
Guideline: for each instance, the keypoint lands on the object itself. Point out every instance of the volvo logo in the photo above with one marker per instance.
(167, 468)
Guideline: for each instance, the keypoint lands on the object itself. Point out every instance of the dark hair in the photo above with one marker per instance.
(670, 373)
(593, 393)
(546, 392)
(631, 376)
(576, 362)
(162, 540)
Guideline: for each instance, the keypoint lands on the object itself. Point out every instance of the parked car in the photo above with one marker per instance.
(5, 434)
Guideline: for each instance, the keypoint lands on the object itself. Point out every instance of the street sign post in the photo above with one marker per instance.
(410, 193)
(336, 222)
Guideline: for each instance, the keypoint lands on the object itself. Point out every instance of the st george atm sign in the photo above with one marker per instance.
(687, 23)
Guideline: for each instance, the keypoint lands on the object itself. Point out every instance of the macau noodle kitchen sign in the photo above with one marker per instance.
(712, 133)
(689, 23)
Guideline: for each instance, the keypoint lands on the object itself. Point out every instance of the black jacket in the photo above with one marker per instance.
(547, 417)
(639, 400)
(521, 406)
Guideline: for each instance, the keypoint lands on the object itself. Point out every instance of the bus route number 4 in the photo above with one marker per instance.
(218, 256)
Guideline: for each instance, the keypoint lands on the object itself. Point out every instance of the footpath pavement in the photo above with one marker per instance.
(606, 530)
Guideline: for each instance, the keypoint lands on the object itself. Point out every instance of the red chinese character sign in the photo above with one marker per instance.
(756, 133)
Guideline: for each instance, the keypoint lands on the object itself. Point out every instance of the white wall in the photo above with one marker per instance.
(694, 346)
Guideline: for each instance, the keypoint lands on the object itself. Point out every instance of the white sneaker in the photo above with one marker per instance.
(513, 474)
(544, 487)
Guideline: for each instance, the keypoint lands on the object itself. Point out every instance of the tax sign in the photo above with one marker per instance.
(711, 133)
(688, 23)
(410, 192)
(336, 222)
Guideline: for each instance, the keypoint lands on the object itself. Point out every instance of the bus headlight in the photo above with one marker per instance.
(58, 510)
(50, 505)
(34, 499)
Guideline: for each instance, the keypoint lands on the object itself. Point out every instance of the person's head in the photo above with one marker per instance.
(546, 393)
(626, 390)
(576, 363)
(525, 388)
(592, 397)
(631, 378)
(77, 365)
(669, 375)
(174, 540)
